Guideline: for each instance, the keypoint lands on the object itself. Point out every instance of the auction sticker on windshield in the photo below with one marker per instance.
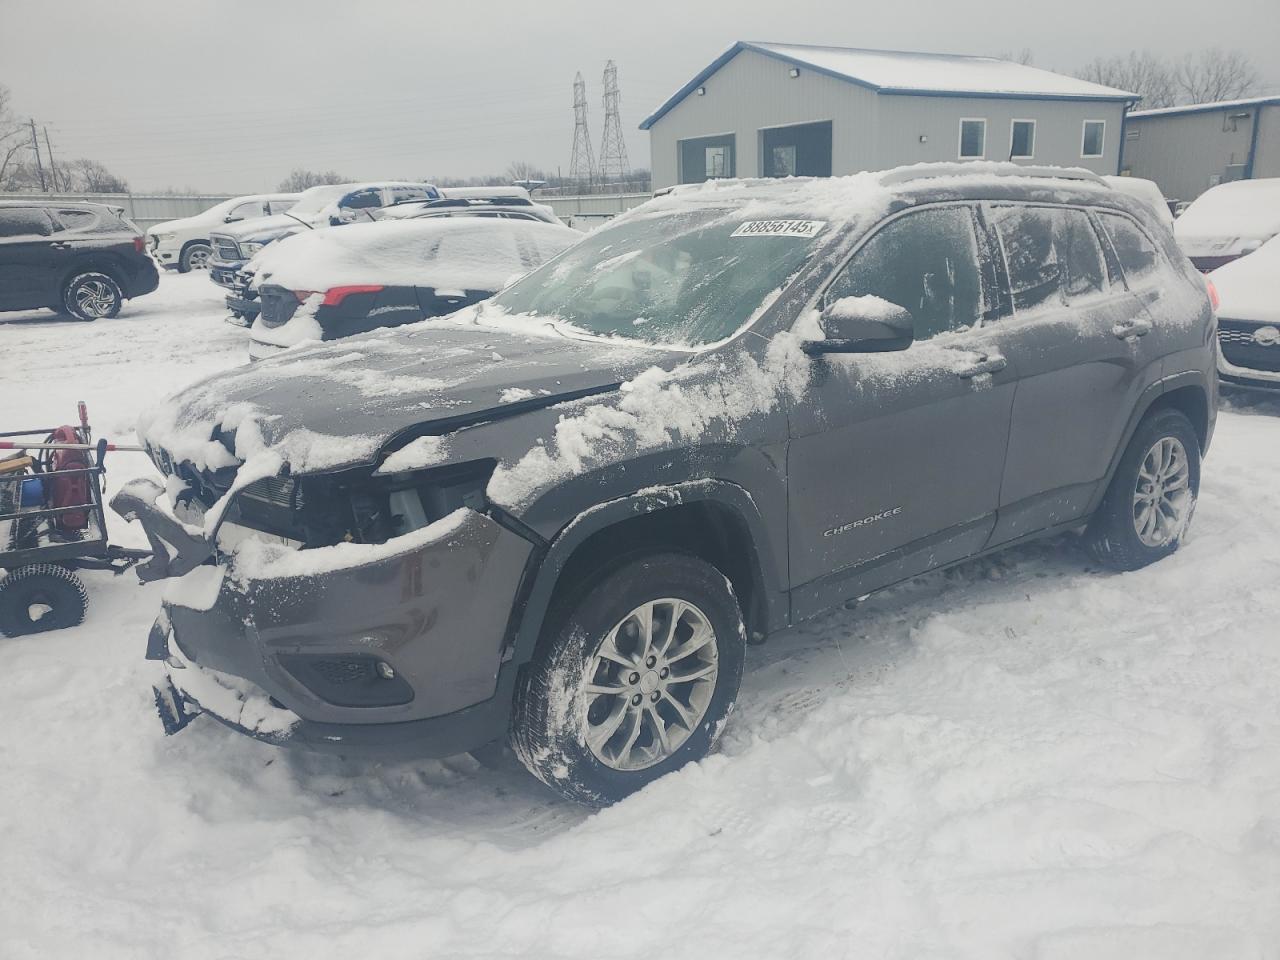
(779, 228)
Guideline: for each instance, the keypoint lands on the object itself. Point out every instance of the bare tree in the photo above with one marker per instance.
(1023, 56)
(1216, 74)
(523, 170)
(1142, 73)
(14, 140)
(300, 179)
(90, 176)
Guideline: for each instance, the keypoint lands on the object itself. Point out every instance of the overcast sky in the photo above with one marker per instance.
(229, 96)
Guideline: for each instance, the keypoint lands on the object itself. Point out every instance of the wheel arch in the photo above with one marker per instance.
(202, 241)
(717, 521)
(1186, 392)
(94, 263)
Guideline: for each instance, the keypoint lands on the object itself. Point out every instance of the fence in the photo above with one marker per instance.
(147, 209)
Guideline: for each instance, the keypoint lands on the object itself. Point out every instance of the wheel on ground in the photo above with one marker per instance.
(635, 679)
(195, 256)
(39, 597)
(1152, 496)
(92, 296)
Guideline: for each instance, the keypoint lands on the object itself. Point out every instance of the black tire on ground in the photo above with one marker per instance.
(549, 722)
(193, 251)
(1113, 534)
(55, 591)
(92, 296)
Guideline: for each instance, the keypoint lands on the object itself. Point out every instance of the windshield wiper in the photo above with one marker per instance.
(300, 220)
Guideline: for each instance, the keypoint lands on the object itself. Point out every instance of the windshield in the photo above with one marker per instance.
(317, 198)
(691, 278)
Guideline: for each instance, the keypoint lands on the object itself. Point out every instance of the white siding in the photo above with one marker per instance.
(751, 92)
(1181, 151)
(1059, 126)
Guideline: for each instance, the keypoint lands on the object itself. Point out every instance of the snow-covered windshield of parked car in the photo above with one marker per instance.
(692, 277)
(317, 198)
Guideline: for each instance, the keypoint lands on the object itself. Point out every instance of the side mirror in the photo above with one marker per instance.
(863, 325)
(335, 220)
(232, 219)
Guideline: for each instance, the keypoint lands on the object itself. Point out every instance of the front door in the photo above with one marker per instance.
(895, 459)
(1081, 359)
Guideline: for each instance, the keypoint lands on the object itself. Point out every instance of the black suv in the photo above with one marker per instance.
(565, 511)
(84, 259)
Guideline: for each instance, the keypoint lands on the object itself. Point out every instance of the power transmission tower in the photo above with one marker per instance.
(613, 149)
(582, 166)
(35, 146)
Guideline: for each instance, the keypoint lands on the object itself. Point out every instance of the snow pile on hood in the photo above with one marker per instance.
(1250, 287)
(464, 253)
(1230, 219)
(659, 408)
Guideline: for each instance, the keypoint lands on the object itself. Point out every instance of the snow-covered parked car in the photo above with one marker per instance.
(183, 244)
(1249, 318)
(1147, 191)
(1229, 221)
(325, 206)
(562, 512)
(331, 284)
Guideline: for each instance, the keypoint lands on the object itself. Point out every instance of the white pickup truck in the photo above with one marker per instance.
(183, 245)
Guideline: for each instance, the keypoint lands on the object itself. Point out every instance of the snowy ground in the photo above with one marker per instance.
(1024, 757)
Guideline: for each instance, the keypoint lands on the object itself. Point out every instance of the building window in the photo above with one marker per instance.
(706, 158)
(973, 139)
(717, 162)
(1093, 138)
(1022, 140)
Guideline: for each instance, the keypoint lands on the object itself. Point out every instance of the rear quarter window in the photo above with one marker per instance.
(77, 219)
(1135, 251)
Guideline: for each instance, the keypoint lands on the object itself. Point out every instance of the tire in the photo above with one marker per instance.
(195, 256)
(554, 711)
(92, 296)
(1160, 469)
(45, 585)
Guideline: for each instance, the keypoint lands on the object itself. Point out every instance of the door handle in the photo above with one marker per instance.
(1135, 327)
(985, 365)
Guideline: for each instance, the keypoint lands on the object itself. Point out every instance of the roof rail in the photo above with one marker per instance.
(924, 171)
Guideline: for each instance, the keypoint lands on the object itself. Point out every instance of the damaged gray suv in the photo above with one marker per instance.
(559, 516)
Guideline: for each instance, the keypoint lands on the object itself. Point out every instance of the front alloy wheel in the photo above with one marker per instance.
(634, 678)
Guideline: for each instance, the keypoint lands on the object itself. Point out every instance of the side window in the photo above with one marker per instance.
(926, 262)
(1084, 270)
(1137, 254)
(24, 222)
(1030, 254)
(282, 206)
(77, 219)
(245, 211)
(400, 194)
(1092, 138)
(365, 199)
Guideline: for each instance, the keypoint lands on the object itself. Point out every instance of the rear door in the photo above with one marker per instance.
(895, 460)
(1075, 334)
(30, 259)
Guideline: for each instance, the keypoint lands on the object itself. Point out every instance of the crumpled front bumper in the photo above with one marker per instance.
(434, 609)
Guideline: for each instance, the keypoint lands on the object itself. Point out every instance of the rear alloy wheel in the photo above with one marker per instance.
(636, 682)
(195, 256)
(93, 296)
(1152, 496)
(39, 597)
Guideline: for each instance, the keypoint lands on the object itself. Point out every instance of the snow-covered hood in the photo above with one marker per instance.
(1231, 219)
(1249, 288)
(337, 405)
(199, 221)
(263, 228)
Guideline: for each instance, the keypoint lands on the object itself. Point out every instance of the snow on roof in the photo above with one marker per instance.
(1206, 107)
(904, 72)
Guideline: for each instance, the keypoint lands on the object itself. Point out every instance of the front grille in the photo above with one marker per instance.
(226, 249)
(1241, 350)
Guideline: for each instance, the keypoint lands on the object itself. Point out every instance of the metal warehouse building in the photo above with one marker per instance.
(1187, 150)
(779, 109)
